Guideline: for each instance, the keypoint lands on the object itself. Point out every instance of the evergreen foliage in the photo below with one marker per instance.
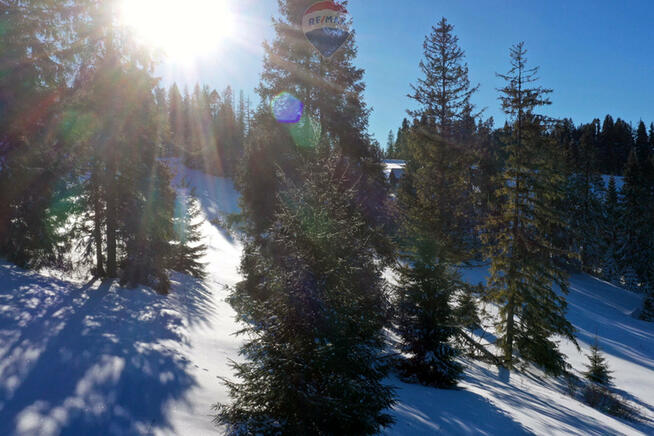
(187, 248)
(35, 62)
(425, 318)
(314, 304)
(636, 251)
(519, 236)
(444, 91)
(630, 280)
(437, 178)
(313, 300)
(87, 168)
(584, 197)
(597, 370)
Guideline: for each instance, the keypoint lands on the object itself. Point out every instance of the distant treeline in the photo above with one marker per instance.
(206, 128)
(606, 143)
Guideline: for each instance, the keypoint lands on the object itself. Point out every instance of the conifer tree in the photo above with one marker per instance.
(390, 145)
(332, 95)
(636, 249)
(426, 321)
(176, 117)
(444, 92)
(584, 194)
(37, 55)
(611, 229)
(187, 247)
(607, 152)
(312, 299)
(518, 236)
(630, 279)
(436, 161)
(314, 306)
(401, 149)
(597, 370)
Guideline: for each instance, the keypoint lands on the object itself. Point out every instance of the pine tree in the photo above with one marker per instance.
(38, 52)
(313, 299)
(332, 95)
(187, 247)
(437, 176)
(597, 370)
(444, 92)
(176, 117)
(636, 250)
(390, 145)
(584, 194)
(314, 306)
(518, 235)
(401, 149)
(425, 318)
(611, 233)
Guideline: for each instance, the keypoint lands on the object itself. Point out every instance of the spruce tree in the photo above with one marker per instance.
(176, 117)
(313, 306)
(630, 279)
(332, 95)
(401, 146)
(518, 236)
(597, 370)
(611, 233)
(38, 53)
(390, 145)
(584, 192)
(129, 194)
(312, 299)
(444, 91)
(425, 317)
(437, 177)
(636, 250)
(187, 247)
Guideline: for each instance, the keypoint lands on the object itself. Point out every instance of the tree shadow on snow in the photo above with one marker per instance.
(93, 359)
(423, 410)
(599, 308)
(555, 416)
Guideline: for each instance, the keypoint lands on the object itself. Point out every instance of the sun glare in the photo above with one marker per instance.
(183, 29)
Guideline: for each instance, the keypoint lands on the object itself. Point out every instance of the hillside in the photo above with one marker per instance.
(93, 358)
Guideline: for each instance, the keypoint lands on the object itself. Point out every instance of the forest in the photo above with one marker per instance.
(336, 259)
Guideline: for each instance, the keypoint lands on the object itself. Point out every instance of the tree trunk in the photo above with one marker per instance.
(97, 224)
(112, 269)
(508, 343)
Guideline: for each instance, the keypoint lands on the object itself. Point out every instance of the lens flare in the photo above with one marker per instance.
(286, 108)
(306, 132)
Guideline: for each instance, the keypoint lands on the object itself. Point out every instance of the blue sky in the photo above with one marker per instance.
(598, 56)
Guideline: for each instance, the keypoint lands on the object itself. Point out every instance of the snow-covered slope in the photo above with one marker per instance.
(95, 359)
(496, 402)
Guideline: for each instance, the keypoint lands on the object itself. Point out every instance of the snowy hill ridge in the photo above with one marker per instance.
(98, 359)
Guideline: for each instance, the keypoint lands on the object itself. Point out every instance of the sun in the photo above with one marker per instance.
(184, 29)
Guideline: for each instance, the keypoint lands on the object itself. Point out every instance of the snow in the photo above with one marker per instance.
(93, 358)
(98, 359)
(395, 166)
